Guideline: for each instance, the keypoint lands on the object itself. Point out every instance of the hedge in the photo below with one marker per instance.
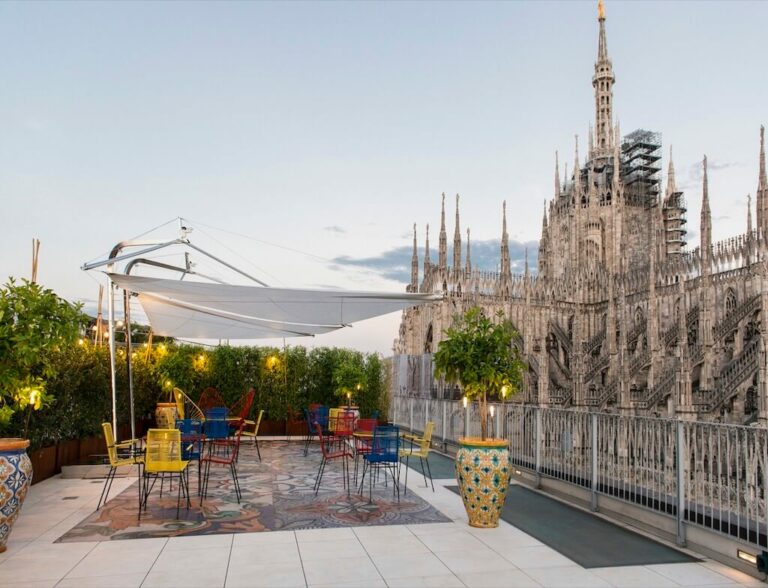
(286, 381)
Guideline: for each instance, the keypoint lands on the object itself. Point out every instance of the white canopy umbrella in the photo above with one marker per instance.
(224, 311)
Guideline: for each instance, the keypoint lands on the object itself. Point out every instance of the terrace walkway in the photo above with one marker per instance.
(371, 554)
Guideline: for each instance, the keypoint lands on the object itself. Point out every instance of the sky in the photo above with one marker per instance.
(302, 141)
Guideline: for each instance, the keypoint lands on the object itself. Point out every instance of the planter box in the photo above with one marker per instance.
(271, 428)
(296, 428)
(43, 463)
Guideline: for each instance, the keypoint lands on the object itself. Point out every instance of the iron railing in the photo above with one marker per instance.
(710, 475)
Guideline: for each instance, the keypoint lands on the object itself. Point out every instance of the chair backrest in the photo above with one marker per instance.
(344, 423)
(323, 440)
(163, 448)
(386, 443)
(216, 425)
(190, 428)
(210, 398)
(367, 424)
(258, 422)
(321, 415)
(182, 401)
(242, 408)
(426, 438)
(109, 438)
(333, 417)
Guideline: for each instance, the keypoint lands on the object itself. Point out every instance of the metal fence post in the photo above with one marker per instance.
(466, 420)
(682, 459)
(593, 464)
(538, 447)
(445, 423)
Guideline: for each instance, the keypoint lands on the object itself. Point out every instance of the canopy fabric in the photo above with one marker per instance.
(222, 311)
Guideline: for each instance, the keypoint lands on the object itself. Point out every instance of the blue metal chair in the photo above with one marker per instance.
(384, 454)
(191, 441)
(216, 428)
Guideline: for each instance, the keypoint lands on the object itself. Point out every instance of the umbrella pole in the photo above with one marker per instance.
(128, 359)
(111, 312)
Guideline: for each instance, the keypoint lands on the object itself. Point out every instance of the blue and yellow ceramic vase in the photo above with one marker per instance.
(483, 471)
(15, 478)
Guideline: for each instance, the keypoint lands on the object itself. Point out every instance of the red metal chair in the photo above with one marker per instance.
(210, 398)
(362, 443)
(226, 460)
(328, 454)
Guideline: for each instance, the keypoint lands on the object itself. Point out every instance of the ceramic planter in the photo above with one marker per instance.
(15, 477)
(483, 471)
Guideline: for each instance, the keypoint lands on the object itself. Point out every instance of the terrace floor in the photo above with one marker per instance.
(278, 539)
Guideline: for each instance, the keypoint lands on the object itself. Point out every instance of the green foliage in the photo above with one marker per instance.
(349, 377)
(34, 324)
(286, 381)
(478, 354)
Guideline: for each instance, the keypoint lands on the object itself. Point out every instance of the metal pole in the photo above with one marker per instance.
(593, 464)
(445, 422)
(410, 420)
(112, 369)
(128, 359)
(682, 457)
(538, 447)
(466, 421)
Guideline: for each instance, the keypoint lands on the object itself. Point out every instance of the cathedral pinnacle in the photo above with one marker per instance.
(671, 184)
(505, 265)
(557, 175)
(600, 10)
(457, 241)
(427, 262)
(442, 256)
(469, 258)
(762, 189)
(414, 264)
(602, 82)
(706, 221)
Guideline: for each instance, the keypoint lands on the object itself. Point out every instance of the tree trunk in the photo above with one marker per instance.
(483, 416)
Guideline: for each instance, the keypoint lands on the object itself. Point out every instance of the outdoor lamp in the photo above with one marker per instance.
(493, 410)
(464, 401)
(504, 390)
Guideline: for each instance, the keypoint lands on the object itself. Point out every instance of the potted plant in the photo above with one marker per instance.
(478, 354)
(34, 323)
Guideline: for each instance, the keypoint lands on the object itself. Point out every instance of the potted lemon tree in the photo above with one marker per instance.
(477, 353)
(34, 323)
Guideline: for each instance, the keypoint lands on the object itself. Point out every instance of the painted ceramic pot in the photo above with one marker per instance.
(15, 478)
(483, 471)
(166, 414)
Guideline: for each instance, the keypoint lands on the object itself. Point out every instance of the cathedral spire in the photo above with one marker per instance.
(749, 215)
(442, 256)
(414, 264)
(576, 176)
(544, 219)
(557, 176)
(706, 222)
(505, 265)
(762, 189)
(427, 262)
(671, 184)
(602, 82)
(457, 241)
(469, 258)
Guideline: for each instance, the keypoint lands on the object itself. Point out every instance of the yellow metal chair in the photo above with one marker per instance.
(181, 399)
(118, 459)
(419, 448)
(254, 432)
(164, 457)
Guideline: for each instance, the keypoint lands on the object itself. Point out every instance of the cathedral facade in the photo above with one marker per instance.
(621, 315)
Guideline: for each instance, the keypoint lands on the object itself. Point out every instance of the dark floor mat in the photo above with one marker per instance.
(590, 541)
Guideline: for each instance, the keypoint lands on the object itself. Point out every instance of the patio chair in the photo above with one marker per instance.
(253, 433)
(241, 409)
(309, 418)
(210, 398)
(384, 454)
(362, 444)
(192, 437)
(229, 460)
(421, 450)
(182, 402)
(328, 454)
(216, 428)
(164, 458)
(118, 460)
(342, 425)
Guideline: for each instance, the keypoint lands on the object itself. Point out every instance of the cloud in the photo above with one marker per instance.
(335, 229)
(395, 264)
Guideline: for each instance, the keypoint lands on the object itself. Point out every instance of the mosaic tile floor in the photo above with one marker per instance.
(277, 495)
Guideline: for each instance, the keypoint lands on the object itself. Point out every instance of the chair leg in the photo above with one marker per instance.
(256, 442)
(423, 473)
(319, 478)
(407, 460)
(235, 481)
(429, 471)
(107, 485)
(178, 496)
